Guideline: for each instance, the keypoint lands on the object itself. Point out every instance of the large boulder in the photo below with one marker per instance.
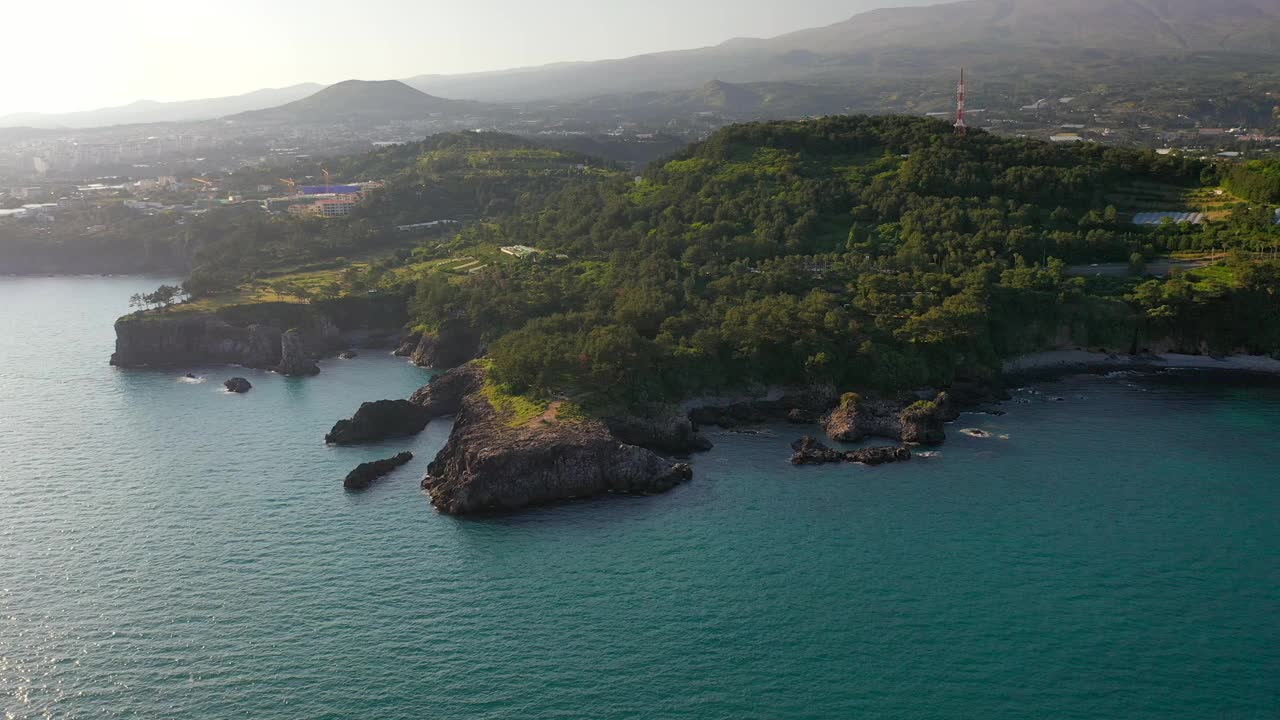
(490, 465)
(364, 475)
(921, 424)
(294, 360)
(444, 394)
(904, 419)
(238, 385)
(808, 451)
(377, 421)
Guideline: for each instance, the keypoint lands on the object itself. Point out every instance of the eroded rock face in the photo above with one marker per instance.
(178, 341)
(444, 394)
(456, 344)
(489, 466)
(808, 451)
(364, 475)
(294, 361)
(670, 435)
(377, 421)
(238, 385)
(407, 345)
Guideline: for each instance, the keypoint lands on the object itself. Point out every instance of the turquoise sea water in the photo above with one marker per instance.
(171, 551)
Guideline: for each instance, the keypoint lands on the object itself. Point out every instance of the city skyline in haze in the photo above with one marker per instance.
(105, 55)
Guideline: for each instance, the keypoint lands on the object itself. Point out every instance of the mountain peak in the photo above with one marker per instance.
(357, 101)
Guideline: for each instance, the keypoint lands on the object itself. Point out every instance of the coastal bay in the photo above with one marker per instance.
(168, 549)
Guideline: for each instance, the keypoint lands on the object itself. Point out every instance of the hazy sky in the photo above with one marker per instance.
(62, 55)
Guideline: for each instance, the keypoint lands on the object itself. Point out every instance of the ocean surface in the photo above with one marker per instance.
(168, 550)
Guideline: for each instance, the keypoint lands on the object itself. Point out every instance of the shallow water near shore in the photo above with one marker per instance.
(169, 550)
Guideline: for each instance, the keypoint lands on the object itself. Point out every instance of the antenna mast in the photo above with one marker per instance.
(961, 128)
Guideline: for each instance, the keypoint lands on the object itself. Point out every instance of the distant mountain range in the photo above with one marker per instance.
(149, 111)
(999, 37)
(1094, 41)
(358, 101)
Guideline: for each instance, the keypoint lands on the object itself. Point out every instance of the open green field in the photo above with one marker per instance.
(1144, 196)
(331, 282)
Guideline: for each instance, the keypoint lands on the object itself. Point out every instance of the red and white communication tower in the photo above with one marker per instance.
(961, 128)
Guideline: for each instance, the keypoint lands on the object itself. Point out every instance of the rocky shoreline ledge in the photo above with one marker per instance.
(1065, 362)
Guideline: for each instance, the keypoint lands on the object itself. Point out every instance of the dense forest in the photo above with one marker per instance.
(866, 251)
(1257, 181)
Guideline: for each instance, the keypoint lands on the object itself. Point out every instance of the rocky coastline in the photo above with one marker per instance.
(910, 418)
(267, 336)
(384, 419)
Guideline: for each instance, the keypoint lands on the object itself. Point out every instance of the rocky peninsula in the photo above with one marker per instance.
(490, 464)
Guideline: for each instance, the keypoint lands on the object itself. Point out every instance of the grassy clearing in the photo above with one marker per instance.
(1140, 196)
(515, 410)
(329, 281)
(1211, 276)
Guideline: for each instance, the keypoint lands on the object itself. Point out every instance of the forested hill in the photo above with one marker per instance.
(865, 251)
(461, 177)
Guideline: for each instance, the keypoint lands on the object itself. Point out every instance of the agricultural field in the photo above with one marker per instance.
(1144, 196)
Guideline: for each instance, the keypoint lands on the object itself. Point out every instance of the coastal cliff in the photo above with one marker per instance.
(265, 336)
(490, 464)
(454, 344)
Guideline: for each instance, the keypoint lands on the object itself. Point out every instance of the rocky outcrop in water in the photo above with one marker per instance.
(808, 451)
(348, 355)
(905, 419)
(364, 475)
(238, 385)
(667, 434)
(488, 465)
(377, 421)
(294, 360)
(444, 394)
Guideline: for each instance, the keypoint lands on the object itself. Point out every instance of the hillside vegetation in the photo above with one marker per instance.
(865, 251)
(455, 176)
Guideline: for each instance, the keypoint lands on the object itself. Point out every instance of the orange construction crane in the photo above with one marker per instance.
(291, 183)
(206, 183)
